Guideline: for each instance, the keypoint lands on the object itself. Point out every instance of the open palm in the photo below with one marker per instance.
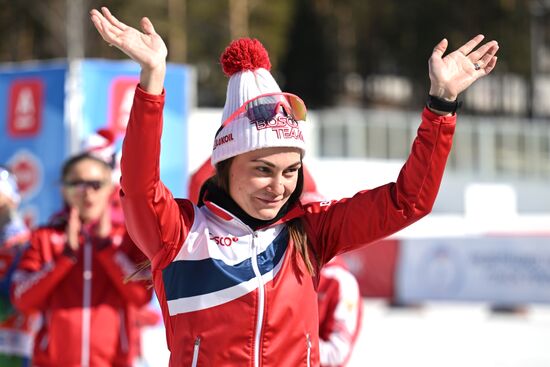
(146, 48)
(452, 74)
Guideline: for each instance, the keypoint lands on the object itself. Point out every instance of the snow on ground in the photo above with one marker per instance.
(451, 335)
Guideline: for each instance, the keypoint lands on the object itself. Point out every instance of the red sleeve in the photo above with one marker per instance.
(155, 221)
(339, 226)
(120, 262)
(38, 273)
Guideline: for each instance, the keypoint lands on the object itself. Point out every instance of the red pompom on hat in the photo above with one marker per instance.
(244, 54)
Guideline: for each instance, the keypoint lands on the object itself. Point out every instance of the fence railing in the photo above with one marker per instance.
(485, 147)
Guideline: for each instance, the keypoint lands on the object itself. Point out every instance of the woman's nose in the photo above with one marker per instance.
(276, 186)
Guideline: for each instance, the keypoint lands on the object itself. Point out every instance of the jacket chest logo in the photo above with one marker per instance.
(224, 240)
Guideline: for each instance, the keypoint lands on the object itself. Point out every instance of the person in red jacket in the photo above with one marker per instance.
(340, 313)
(16, 329)
(74, 274)
(237, 275)
(340, 302)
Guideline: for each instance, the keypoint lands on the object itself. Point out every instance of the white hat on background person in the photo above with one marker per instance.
(256, 114)
(101, 144)
(8, 185)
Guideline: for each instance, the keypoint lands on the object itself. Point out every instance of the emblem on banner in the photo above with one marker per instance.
(25, 107)
(28, 170)
(122, 96)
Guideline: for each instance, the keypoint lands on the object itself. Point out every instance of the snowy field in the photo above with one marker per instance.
(436, 335)
(452, 335)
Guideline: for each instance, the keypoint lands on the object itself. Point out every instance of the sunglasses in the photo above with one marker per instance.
(266, 106)
(83, 185)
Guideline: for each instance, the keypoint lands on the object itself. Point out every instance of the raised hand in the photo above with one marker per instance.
(104, 225)
(74, 226)
(146, 48)
(454, 73)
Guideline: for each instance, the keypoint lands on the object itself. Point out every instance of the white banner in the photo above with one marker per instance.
(499, 270)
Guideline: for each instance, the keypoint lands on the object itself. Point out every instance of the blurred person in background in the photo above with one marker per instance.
(16, 329)
(340, 306)
(340, 313)
(73, 274)
(237, 276)
(102, 144)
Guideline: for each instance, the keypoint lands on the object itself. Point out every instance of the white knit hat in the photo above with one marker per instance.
(247, 64)
(100, 144)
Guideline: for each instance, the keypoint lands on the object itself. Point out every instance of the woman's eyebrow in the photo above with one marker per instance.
(267, 163)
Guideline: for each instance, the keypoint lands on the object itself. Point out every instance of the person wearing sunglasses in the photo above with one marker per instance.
(16, 329)
(74, 272)
(237, 276)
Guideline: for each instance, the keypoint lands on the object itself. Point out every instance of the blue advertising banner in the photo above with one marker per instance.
(49, 109)
(33, 142)
(499, 270)
(108, 90)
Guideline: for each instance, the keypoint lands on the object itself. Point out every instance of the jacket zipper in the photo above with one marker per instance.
(261, 301)
(196, 352)
(123, 336)
(86, 301)
(308, 339)
(261, 294)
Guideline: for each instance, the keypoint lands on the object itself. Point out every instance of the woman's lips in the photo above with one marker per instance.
(270, 202)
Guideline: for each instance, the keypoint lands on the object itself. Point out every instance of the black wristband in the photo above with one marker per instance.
(443, 105)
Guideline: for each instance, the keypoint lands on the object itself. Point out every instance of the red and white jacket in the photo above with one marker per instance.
(340, 313)
(87, 309)
(232, 296)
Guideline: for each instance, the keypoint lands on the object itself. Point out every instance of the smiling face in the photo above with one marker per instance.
(262, 181)
(87, 187)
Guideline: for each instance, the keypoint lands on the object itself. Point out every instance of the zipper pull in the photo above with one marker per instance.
(196, 352)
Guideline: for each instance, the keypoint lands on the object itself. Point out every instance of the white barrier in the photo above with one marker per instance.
(498, 270)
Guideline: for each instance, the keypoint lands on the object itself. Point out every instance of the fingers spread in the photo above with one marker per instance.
(104, 27)
(486, 49)
(114, 21)
(484, 60)
(471, 44)
(440, 48)
(491, 65)
(147, 26)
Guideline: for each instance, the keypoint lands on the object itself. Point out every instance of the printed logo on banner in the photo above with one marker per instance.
(121, 94)
(29, 172)
(440, 270)
(25, 107)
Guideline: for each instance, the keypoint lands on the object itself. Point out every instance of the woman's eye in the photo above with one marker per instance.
(263, 169)
(291, 171)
